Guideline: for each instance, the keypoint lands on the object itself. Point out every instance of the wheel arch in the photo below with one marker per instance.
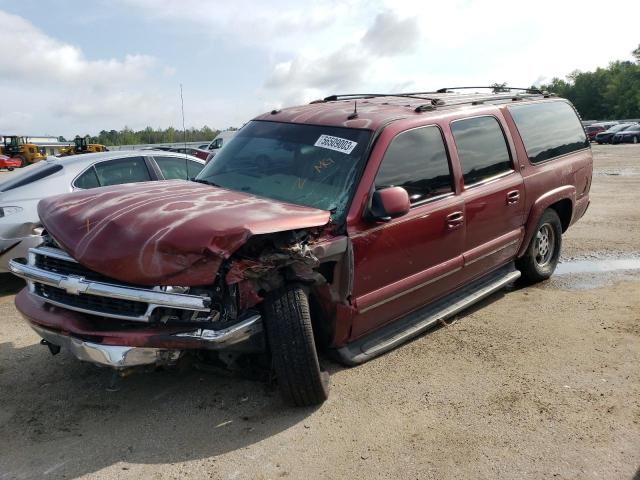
(564, 209)
(561, 199)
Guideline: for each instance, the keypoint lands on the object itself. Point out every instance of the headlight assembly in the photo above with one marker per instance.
(6, 211)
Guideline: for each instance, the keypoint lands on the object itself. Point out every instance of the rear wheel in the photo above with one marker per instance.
(542, 255)
(10, 169)
(291, 341)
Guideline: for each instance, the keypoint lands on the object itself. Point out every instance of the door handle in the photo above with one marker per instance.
(513, 197)
(455, 220)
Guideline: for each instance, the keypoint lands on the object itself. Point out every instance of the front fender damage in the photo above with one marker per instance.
(321, 262)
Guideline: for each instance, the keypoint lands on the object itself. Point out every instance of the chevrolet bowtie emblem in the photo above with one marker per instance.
(73, 284)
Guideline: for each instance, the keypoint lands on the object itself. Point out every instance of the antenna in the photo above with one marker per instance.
(184, 131)
(355, 111)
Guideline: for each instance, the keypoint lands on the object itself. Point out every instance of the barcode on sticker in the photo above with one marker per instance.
(335, 143)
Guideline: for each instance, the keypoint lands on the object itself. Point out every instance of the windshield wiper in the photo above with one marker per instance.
(206, 182)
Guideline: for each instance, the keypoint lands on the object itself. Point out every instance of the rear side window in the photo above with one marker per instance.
(417, 161)
(173, 168)
(548, 129)
(482, 148)
(194, 168)
(125, 170)
(87, 180)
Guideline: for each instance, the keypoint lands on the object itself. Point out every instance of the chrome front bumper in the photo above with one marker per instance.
(120, 357)
(109, 355)
(77, 285)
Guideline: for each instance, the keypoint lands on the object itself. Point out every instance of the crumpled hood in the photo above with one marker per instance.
(165, 233)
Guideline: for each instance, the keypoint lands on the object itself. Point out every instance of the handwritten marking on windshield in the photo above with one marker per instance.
(322, 164)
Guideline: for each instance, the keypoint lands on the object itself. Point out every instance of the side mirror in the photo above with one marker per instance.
(389, 203)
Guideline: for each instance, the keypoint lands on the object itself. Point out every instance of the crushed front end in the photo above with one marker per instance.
(122, 325)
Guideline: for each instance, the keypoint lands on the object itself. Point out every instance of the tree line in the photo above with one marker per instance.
(127, 136)
(605, 94)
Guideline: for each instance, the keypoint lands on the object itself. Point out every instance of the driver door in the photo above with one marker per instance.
(402, 264)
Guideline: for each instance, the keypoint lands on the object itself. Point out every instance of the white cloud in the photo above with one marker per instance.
(254, 22)
(30, 55)
(286, 52)
(49, 86)
(391, 35)
(314, 74)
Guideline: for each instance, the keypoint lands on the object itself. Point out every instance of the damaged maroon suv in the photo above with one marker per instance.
(351, 224)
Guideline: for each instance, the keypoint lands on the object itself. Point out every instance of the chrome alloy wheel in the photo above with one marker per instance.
(545, 245)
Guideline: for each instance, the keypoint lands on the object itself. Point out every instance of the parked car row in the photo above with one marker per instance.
(20, 228)
(628, 135)
(607, 136)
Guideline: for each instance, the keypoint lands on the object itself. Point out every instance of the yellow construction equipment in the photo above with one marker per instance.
(17, 147)
(82, 145)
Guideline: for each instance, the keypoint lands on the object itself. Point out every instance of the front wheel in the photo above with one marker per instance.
(290, 336)
(542, 255)
(23, 161)
(635, 139)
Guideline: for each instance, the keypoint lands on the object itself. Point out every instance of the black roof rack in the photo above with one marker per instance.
(358, 96)
(421, 95)
(495, 88)
(440, 99)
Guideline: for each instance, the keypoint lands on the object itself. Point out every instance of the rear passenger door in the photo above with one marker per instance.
(176, 168)
(114, 172)
(493, 194)
(404, 263)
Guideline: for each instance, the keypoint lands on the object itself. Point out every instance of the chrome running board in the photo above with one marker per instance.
(415, 323)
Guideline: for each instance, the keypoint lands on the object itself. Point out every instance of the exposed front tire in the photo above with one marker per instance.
(290, 336)
(542, 255)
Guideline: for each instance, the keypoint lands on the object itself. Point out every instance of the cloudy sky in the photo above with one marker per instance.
(74, 67)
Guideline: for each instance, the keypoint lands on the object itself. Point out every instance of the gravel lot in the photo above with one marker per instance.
(537, 382)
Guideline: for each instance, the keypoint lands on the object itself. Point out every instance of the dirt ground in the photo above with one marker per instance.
(537, 382)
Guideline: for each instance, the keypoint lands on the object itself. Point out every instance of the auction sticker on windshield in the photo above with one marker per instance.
(335, 143)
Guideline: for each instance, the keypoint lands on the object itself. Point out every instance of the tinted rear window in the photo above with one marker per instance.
(482, 148)
(548, 129)
(123, 170)
(87, 180)
(37, 172)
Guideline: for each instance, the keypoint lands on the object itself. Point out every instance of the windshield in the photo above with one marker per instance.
(307, 165)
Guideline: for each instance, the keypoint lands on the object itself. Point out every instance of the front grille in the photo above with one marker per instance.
(59, 279)
(66, 267)
(92, 303)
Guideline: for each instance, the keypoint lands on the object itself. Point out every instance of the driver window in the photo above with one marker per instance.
(417, 161)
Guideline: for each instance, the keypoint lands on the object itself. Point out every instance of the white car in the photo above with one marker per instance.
(21, 191)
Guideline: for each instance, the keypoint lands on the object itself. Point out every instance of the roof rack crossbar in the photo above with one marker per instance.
(477, 100)
(355, 96)
(499, 88)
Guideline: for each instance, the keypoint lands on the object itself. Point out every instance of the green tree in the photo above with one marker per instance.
(606, 93)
